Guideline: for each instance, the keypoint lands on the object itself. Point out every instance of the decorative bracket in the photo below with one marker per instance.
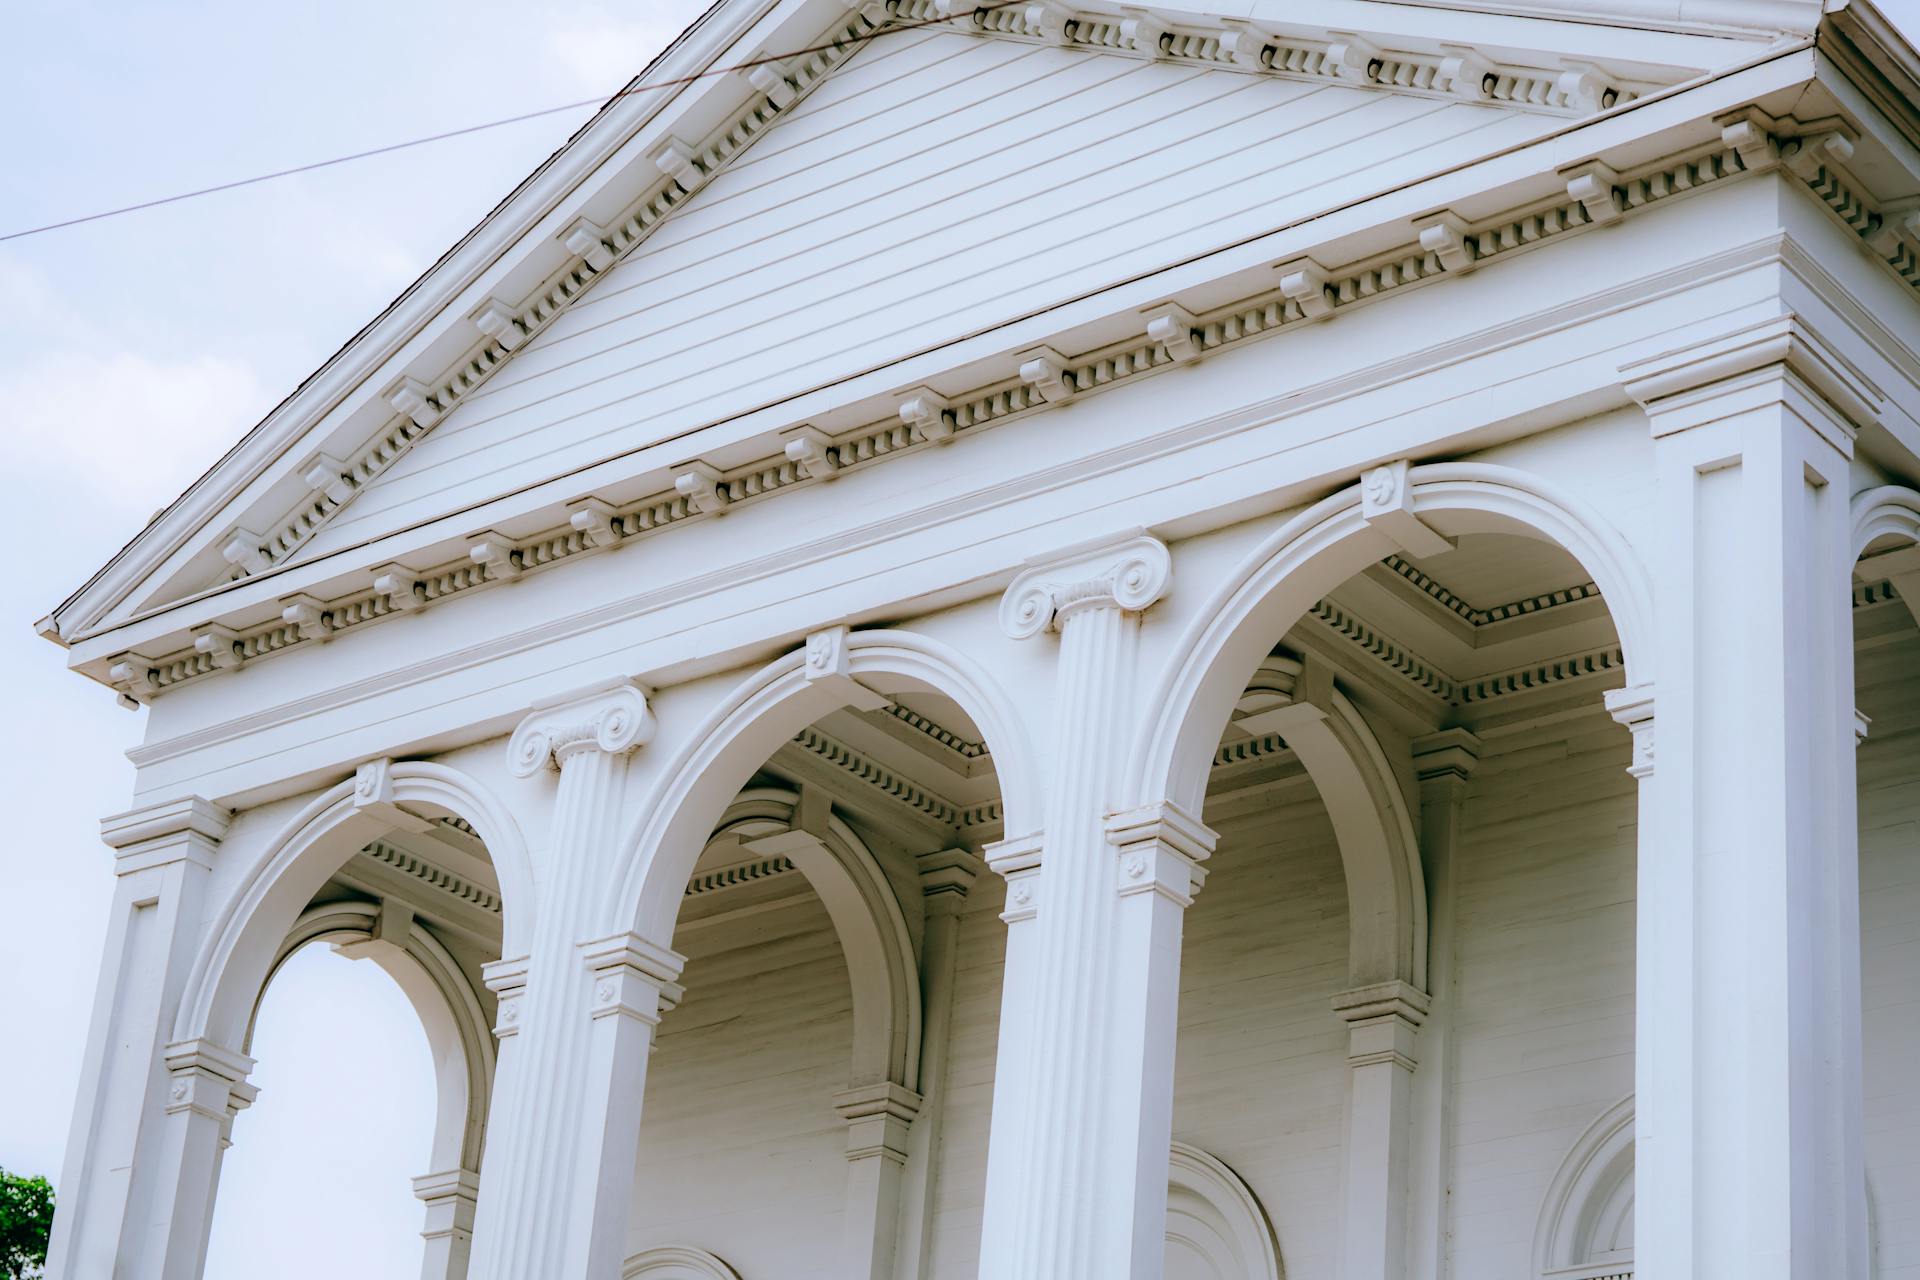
(1386, 504)
(829, 667)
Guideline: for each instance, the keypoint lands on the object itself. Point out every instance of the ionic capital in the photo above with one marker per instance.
(184, 830)
(1129, 575)
(613, 718)
(1633, 707)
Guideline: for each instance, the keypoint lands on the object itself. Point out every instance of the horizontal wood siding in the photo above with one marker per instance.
(1890, 955)
(1545, 932)
(741, 1151)
(936, 185)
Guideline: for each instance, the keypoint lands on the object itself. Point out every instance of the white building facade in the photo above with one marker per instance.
(1048, 641)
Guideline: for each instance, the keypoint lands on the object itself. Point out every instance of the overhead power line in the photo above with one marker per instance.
(647, 87)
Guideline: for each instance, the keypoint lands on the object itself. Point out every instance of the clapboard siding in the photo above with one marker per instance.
(1545, 935)
(741, 1152)
(936, 185)
(1889, 765)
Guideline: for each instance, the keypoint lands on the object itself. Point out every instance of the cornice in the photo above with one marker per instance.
(1444, 245)
(1534, 81)
(433, 876)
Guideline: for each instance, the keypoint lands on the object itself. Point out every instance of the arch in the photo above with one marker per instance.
(1889, 510)
(1322, 547)
(459, 1035)
(1215, 1225)
(1586, 1220)
(244, 941)
(867, 919)
(676, 1262)
(766, 710)
(1372, 824)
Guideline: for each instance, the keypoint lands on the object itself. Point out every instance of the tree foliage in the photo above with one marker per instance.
(26, 1220)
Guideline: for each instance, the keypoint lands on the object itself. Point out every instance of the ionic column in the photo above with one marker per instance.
(946, 876)
(1082, 1104)
(110, 1188)
(450, 1198)
(1748, 1117)
(1443, 762)
(541, 1188)
(1383, 1021)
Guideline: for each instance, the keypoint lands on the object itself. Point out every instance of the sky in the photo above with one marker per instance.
(133, 352)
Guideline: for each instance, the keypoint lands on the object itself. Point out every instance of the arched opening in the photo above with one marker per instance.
(1412, 962)
(815, 857)
(1886, 603)
(407, 866)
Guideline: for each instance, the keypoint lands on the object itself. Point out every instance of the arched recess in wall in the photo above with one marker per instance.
(459, 1036)
(1585, 1230)
(762, 713)
(676, 1263)
(1216, 1228)
(1371, 816)
(1310, 555)
(247, 934)
(866, 918)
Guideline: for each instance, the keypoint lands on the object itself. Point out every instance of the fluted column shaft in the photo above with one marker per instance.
(541, 1164)
(1082, 1190)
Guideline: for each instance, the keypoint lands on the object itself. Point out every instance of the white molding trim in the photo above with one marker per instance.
(676, 1262)
(1210, 1208)
(1586, 1198)
(1357, 282)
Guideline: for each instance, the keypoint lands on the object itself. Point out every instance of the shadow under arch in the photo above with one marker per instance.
(1373, 825)
(867, 920)
(763, 712)
(459, 1034)
(244, 943)
(1322, 547)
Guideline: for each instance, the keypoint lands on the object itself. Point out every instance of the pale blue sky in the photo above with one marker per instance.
(133, 352)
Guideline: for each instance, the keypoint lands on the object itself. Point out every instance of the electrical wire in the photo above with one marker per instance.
(679, 81)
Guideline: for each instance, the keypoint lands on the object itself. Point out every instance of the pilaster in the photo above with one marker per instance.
(1443, 762)
(1382, 1024)
(572, 1062)
(1083, 1107)
(206, 1087)
(879, 1118)
(946, 878)
(112, 1187)
(450, 1198)
(1748, 863)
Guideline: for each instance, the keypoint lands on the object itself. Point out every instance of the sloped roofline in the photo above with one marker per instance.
(692, 53)
(350, 365)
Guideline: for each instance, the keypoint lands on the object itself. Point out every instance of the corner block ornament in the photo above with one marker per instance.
(614, 719)
(497, 320)
(412, 398)
(927, 412)
(373, 783)
(588, 241)
(1128, 575)
(327, 475)
(1444, 235)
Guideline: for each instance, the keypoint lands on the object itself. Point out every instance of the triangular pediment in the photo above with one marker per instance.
(760, 235)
